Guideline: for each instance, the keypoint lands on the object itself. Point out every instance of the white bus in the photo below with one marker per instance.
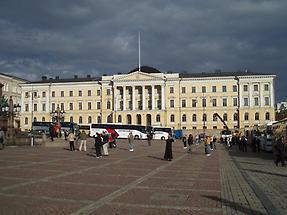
(138, 131)
(160, 133)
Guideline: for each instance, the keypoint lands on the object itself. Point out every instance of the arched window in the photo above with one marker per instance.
(183, 118)
(235, 117)
(119, 118)
(35, 119)
(171, 118)
(157, 118)
(109, 118)
(89, 119)
(139, 119)
(99, 119)
(129, 119)
(214, 117)
(256, 117)
(204, 117)
(26, 120)
(246, 116)
(43, 119)
(225, 116)
(71, 119)
(193, 117)
(267, 116)
(80, 120)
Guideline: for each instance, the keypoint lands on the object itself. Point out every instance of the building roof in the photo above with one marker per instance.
(13, 77)
(146, 69)
(64, 80)
(219, 74)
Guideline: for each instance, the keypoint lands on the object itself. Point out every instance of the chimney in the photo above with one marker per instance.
(75, 76)
(104, 74)
(88, 76)
(57, 77)
(44, 78)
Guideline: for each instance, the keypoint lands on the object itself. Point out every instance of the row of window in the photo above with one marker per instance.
(223, 89)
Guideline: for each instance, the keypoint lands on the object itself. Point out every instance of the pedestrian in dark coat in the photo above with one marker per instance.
(190, 142)
(98, 145)
(168, 148)
(280, 151)
(243, 141)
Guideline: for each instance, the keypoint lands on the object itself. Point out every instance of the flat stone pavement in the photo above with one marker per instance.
(54, 180)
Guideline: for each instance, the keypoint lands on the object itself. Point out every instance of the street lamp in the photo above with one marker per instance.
(238, 102)
(58, 116)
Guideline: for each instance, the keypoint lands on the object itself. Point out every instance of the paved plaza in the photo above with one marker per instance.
(53, 180)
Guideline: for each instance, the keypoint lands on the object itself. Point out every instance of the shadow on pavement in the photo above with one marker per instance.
(251, 163)
(154, 157)
(264, 172)
(234, 205)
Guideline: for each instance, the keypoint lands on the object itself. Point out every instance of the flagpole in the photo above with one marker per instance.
(139, 44)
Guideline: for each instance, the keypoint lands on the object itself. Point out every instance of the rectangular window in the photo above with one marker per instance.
(53, 106)
(43, 94)
(26, 94)
(203, 89)
(267, 101)
(193, 89)
(98, 105)
(224, 89)
(245, 88)
(108, 92)
(159, 104)
(171, 90)
(80, 106)
(183, 103)
(80, 93)
(193, 101)
(256, 101)
(203, 102)
(214, 89)
(235, 102)
(62, 93)
(98, 92)
(26, 107)
(183, 90)
(266, 87)
(131, 105)
(224, 102)
(255, 88)
(89, 105)
(171, 103)
(234, 88)
(245, 101)
(62, 106)
(53, 94)
(35, 107)
(89, 93)
(71, 106)
(43, 107)
(108, 105)
(214, 103)
(36, 95)
(71, 93)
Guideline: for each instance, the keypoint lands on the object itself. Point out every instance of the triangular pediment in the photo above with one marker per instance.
(139, 76)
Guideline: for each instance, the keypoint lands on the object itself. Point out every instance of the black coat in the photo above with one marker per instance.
(168, 149)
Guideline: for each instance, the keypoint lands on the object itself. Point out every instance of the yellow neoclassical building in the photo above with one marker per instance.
(150, 97)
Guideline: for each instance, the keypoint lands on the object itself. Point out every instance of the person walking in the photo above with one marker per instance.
(2, 138)
(214, 142)
(207, 142)
(105, 137)
(243, 141)
(98, 145)
(71, 138)
(149, 137)
(131, 140)
(184, 142)
(168, 148)
(51, 131)
(279, 151)
(83, 138)
(190, 142)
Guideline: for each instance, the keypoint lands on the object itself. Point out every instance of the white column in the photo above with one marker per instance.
(271, 94)
(143, 97)
(152, 96)
(162, 98)
(124, 97)
(115, 99)
(134, 97)
(261, 94)
(250, 95)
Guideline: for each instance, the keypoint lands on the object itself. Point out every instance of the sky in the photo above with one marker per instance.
(79, 37)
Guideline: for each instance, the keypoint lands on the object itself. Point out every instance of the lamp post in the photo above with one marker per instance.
(238, 102)
(58, 116)
(8, 112)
